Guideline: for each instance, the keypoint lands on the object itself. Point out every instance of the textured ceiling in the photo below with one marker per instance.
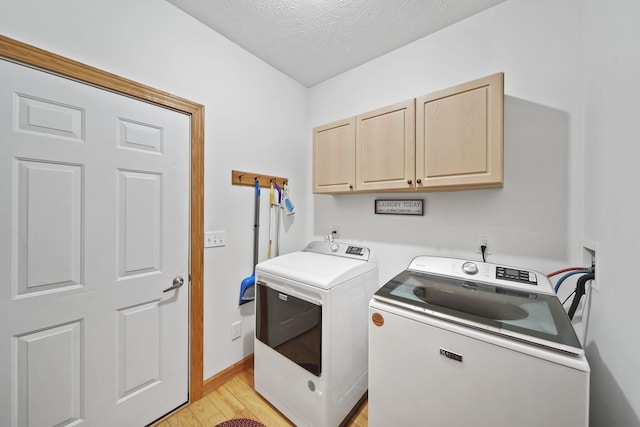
(314, 40)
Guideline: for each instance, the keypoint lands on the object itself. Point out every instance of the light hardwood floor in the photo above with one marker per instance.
(236, 398)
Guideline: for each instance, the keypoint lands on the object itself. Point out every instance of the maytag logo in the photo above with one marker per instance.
(451, 355)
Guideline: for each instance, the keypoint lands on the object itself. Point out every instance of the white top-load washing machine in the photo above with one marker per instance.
(459, 343)
(311, 343)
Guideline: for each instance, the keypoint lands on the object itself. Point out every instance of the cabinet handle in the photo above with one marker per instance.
(419, 181)
(409, 182)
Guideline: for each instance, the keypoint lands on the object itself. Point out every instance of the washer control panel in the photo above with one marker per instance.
(515, 275)
(483, 272)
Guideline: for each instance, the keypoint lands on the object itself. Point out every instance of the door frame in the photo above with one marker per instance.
(28, 55)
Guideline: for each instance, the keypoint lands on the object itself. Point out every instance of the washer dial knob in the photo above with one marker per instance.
(334, 247)
(470, 267)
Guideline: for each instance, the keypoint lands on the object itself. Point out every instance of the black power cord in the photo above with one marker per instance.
(483, 250)
(580, 291)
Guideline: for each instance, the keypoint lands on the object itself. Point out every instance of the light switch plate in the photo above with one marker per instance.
(214, 239)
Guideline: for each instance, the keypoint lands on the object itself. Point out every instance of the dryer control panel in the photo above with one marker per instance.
(341, 249)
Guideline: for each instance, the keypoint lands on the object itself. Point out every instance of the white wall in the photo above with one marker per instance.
(612, 91)
(532, 220)
(254, 121)
(571, 88)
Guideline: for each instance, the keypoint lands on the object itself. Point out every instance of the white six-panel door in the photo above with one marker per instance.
(94, 223)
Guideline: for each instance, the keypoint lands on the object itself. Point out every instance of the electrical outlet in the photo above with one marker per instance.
(214, 239)
(483, 239)
(236, 330)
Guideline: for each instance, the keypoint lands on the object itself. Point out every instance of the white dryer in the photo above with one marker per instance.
(311, 343)
(459, 343)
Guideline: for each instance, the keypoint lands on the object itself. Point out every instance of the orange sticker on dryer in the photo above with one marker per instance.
(377, 319)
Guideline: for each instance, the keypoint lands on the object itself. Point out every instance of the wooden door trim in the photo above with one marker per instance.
(19, 52)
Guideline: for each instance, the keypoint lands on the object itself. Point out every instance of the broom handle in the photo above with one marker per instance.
(256, 226)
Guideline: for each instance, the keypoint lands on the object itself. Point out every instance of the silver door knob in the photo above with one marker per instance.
(177, 282)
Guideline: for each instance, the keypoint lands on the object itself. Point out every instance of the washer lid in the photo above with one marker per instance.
(533, 317)
(315, 269)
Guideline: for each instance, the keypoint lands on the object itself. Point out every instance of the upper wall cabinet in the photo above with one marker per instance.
(374, 151)
(459, 136)
(448, 140)
(334, 157)
(385, 148)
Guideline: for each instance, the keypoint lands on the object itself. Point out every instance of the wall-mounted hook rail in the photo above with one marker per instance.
(249, 179)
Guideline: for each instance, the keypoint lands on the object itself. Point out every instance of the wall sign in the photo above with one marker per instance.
(400, 207)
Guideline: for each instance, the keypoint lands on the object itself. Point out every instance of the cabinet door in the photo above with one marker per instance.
(385, 148)
(334, 154)
(459, 136)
